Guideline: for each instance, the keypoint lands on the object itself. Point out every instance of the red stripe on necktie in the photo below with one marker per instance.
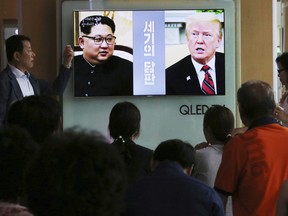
(208, 84)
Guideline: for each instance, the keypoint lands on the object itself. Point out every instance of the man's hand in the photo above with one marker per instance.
(239, 130)
(280, 114)
(68, 55)
(201, 145)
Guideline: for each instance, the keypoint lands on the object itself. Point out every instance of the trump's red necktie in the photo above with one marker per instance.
(207, 85)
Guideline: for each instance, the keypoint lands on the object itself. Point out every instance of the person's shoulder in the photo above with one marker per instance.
(239, 130)
(210, 150)
(78, 63)
(120, 60)
(147, 150)
(220, 55)
(201, 145)
(207, 192)
(179, 64)
(201, 187)
(5, 70)
(5, 73)
(78, 58)
(239, 141)
(143, 149)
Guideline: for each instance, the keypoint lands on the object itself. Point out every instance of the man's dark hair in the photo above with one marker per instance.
(39, 115)
(283, 60)
(256, 99)
(220, 121)
(87, 23)
(175, 150)
(17, 150)
(15, 44)
(76, 173)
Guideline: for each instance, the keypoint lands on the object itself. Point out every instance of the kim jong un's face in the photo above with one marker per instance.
(99, 45)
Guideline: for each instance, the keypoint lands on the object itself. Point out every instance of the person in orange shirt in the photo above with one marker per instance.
(254, 164)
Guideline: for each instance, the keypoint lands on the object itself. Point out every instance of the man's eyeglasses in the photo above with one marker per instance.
(280, 70)
(98, 40)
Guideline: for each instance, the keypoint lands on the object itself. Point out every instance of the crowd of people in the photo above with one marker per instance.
(77, 172)
(49, 171)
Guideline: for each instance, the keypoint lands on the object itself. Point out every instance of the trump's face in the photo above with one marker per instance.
(95, 50)
(203, 39)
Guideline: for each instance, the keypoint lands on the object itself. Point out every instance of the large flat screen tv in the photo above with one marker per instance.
(149, 53)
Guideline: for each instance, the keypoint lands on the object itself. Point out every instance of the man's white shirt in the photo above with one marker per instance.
(201, 73)
(23, 81)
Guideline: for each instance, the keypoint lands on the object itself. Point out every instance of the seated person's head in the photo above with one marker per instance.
(174, 150)
(39, 115)
(97, 38)
(76, 173)
(218, 124)
(124, 121)
(17, 149)
(12, 209)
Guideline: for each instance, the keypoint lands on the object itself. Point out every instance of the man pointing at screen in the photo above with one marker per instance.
(203, 71)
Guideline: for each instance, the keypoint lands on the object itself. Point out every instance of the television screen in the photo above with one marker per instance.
(155, 52)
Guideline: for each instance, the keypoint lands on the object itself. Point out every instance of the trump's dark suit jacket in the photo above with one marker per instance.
(181, 77)
(10, 90)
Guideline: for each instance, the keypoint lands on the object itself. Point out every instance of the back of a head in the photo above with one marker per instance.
(76, 173)
(11, 209)
(175, 150)
(88, 22)
(39, 115)
(256, 99)
(283, 60)
(219, 120)
(124, 120)
(14, 44)
(17, 150)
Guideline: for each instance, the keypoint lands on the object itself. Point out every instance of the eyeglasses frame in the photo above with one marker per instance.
(103, 38)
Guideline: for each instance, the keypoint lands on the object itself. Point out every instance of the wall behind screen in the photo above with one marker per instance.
(163, 117)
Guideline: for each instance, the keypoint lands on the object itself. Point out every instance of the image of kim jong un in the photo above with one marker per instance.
(98, 72)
